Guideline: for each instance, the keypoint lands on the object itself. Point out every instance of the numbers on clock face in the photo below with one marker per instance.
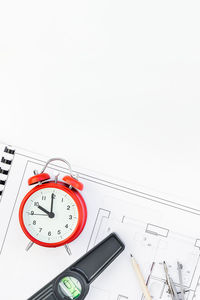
(50, 215)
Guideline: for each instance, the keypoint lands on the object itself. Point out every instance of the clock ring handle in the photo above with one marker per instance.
(60, 159)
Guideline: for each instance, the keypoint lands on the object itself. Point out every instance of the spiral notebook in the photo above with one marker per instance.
(152, 226)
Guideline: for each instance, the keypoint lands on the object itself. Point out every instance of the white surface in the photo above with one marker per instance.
(151, 228)
(111, 85)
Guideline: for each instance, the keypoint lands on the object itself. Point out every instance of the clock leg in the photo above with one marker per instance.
(67, 248)
(29, 246)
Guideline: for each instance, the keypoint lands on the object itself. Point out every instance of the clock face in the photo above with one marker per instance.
(50, 215)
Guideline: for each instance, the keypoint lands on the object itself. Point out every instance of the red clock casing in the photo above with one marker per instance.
(79, 201)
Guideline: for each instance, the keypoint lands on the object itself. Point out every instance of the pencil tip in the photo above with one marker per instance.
(131, 255)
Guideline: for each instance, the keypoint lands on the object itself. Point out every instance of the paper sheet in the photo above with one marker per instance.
(153, 227)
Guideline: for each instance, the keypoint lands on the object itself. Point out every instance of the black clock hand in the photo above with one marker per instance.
(52, 198)
(37, 214)
(50, 214)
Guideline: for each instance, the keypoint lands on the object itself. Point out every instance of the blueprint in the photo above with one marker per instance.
(152, 244)
(154, 227)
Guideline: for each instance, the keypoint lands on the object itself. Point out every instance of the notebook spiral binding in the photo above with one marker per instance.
(6, 162)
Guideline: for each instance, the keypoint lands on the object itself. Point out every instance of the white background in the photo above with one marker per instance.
(113, 86)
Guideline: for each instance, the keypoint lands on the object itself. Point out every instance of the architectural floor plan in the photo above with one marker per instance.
(152, 244)
(155, 228)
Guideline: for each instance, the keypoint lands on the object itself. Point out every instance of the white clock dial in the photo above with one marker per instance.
(50, 215)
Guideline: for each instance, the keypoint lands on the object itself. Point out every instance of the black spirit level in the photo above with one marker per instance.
(74, 282)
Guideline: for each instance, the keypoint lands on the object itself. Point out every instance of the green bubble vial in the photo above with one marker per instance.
(70, 287)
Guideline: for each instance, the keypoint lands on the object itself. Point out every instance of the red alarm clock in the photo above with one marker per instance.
(53, 213)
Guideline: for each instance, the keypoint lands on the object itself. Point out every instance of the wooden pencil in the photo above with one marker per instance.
(140, 278)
